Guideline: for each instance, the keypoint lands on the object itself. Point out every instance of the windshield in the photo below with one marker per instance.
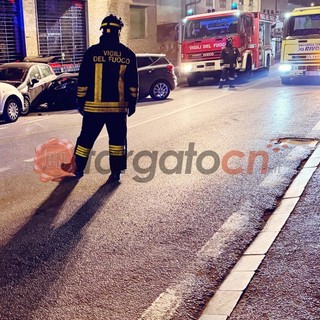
(12, 74)
(303, 25)
(210, 27)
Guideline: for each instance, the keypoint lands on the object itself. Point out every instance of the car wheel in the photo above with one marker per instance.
(160, 90)
(11, 110)
(26, 110)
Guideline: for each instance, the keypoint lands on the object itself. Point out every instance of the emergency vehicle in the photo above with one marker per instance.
(300, 52)
(203, 36)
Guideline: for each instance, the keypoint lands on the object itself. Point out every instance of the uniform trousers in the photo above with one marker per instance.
(92, 124)
(228, 72)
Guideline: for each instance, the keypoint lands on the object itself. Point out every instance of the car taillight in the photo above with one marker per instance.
(170, 67)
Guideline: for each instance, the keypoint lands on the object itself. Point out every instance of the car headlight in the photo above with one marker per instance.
(186, 68)
(285, 68)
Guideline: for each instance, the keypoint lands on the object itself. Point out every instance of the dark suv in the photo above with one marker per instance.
(156, 76)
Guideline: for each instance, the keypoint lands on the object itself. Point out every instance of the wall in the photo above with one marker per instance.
(29, 12)
(96, 11)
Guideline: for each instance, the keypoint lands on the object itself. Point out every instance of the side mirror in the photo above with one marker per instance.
(33, 82)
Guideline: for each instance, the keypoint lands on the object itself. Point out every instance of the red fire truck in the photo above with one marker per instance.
(203, 36)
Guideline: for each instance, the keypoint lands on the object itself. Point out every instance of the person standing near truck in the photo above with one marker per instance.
(229, 57)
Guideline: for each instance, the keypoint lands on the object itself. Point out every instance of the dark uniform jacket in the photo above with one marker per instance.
(229, 55)
(108, 78)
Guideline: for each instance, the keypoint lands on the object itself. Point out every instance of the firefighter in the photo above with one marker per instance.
(106, 95)
(229, 55)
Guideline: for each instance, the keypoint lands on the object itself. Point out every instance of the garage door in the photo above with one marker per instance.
(11, 31)
(62, 32)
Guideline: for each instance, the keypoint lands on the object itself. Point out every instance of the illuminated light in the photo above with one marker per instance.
(234, 6)
(189, 12)
(285, 68)
(287, 15)
(186, 68)
(237, 13)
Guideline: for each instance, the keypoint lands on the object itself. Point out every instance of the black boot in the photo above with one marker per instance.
(114, 177)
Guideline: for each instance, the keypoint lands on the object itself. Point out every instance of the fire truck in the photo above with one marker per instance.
(203, 36)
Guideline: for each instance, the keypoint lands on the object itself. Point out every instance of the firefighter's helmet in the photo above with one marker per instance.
(229, 40)
(113, 22)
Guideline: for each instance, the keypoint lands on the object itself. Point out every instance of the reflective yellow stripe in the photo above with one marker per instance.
(106, 104)
(81, 154)
(114, 24)
(117, 153)
(96, 109)
(110, 24)
(82, 151)
(82, 91)
(133, 89)
(98, 82)
(115, 150)
(121, 82)
(114, 147)
(134, 95)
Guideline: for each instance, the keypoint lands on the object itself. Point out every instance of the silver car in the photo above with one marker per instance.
(31, 79)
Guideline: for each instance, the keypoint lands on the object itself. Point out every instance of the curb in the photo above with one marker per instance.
(230, 291)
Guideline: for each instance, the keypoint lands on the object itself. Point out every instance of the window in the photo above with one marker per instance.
(215, 26)
(304, 25)
(137, 22)
(143, 61)
(46, 71)
(223, 4)
(34, 73)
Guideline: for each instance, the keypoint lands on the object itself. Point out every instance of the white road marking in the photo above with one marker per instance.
(29, 160)
(35, 120)
(190, 107)
(164, 307)
(4, 169)
(177, 111)
(316, 127)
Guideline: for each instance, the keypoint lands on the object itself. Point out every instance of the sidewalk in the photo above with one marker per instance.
(285, 286)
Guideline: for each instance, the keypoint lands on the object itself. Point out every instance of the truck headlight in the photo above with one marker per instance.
(285, 68)
(186, 68)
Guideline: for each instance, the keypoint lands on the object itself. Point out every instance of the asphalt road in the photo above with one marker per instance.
(157, 245)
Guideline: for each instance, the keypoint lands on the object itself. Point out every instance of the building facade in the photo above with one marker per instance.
(66, 28)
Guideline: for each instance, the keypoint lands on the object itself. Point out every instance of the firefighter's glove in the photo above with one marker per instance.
(131, 111)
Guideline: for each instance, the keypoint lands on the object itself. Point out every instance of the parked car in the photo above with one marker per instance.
(57, 64)
(62, 92)
(156, 78)
(11, 102)
(30, 79)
